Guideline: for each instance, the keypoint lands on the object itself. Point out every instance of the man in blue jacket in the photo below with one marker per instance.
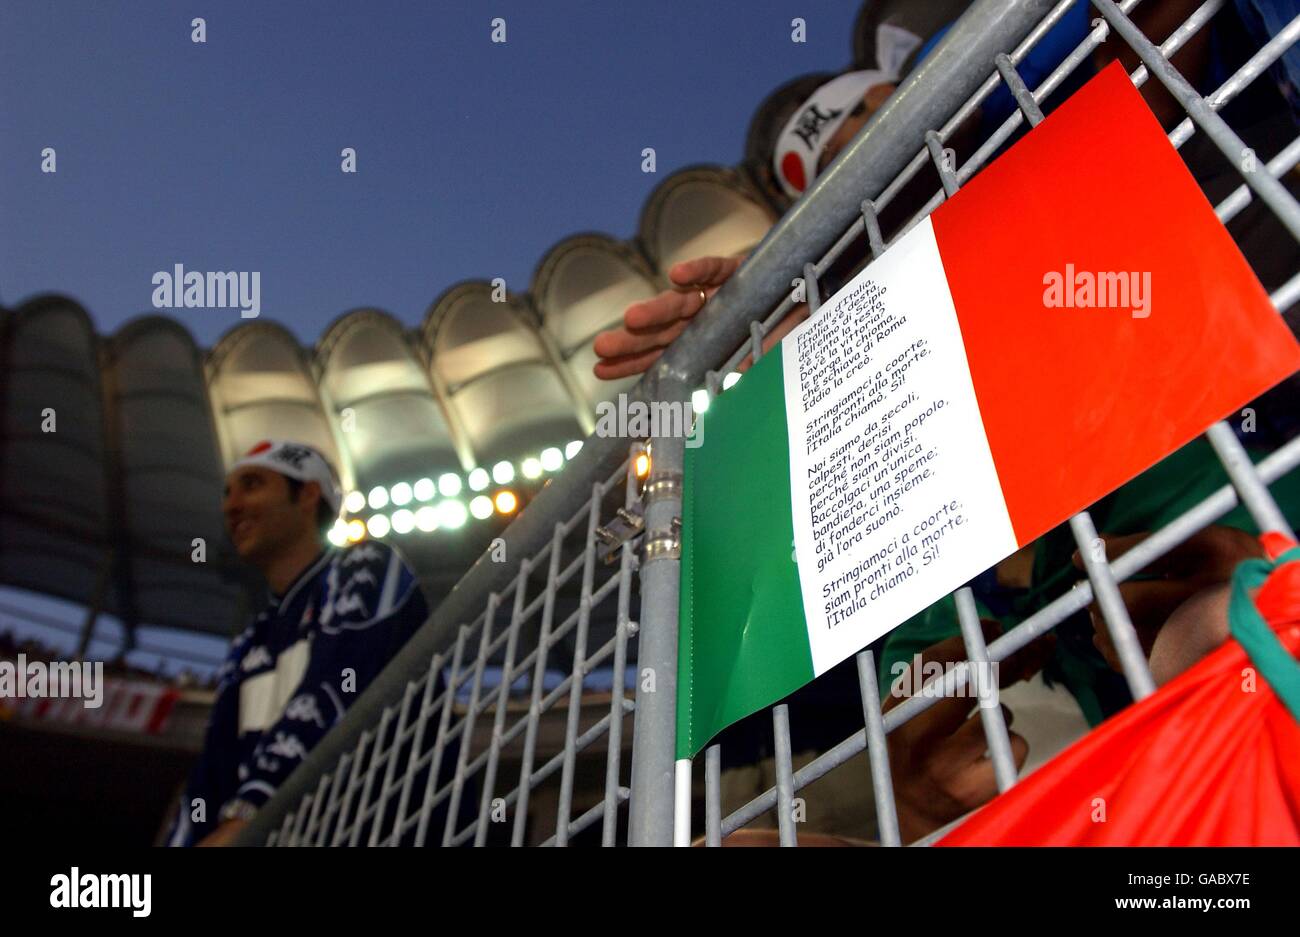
(333, 620)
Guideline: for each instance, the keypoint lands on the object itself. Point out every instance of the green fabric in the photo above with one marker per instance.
(1150, 501)
(743, 641)
(916, 634)
(1274, 662)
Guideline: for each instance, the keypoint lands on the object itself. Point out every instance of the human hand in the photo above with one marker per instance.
(651, 325)
(938, 759)
(1205, 560)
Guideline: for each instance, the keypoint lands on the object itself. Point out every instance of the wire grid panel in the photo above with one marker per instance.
(372, 735)
(398, 785)
(1248, 482)
(457, 761)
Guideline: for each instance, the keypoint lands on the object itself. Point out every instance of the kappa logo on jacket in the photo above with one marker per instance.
(363, 576)
(304, 709)
(257, 657)
(348, 603)
(287, 746)
(363, 553)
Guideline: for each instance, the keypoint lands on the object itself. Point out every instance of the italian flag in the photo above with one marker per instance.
(1073, 315)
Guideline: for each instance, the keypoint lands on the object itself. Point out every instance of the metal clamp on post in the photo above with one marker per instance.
(624, 527)
(664, 544)
(664, 485)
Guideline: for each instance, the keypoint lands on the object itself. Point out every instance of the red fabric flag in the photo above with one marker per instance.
(1210, 759)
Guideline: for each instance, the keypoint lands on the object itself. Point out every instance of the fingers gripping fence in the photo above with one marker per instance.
(419, 759)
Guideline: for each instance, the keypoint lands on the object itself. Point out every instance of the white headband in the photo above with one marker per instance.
(801, 141)
(297, 461)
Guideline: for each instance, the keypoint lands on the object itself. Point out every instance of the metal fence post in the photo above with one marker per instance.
(650, 811)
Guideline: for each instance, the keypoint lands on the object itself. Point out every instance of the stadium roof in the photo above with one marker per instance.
(113, 448)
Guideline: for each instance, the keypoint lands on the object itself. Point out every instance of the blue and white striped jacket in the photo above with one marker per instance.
(293, 672)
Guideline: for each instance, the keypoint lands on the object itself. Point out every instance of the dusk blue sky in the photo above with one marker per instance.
(473, 157)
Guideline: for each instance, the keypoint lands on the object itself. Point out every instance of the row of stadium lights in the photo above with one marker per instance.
(452, 513)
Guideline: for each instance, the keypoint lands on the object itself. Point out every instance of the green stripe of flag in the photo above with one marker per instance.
(743, 641)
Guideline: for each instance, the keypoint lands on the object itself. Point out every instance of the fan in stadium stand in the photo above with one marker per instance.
(1210, 759)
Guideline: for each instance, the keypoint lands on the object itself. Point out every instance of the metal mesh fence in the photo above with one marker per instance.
(433, 771)
(435, 753)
